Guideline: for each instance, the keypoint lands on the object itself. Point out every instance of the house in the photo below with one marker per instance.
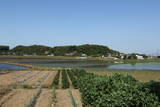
(83, 56)
(50, 55)
(122, 55)
(71, 53)
(139, 57)
(109, 55)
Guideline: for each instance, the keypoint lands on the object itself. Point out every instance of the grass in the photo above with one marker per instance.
(143, 76)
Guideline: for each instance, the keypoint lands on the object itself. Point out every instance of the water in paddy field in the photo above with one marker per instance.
(155, 66)
(91, 65)
(10, 67)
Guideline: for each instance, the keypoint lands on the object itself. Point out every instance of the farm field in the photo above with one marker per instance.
(75, 88)
(32, 78)
(34, 88)
(17, 98)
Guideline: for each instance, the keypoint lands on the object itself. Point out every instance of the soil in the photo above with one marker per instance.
(15, 77)
(32, 81)
(45, 98)
(63, 98)
(60, 80)
(77, 97)
(18, 98)
(7, 79)
(28, 77)
(4, 91)
(70, 82)
(48, 81)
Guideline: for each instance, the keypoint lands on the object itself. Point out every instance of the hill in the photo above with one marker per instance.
(71, 50)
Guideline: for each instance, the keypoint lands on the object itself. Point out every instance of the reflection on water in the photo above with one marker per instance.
(136, 66)
(10, 67)
(96, 65)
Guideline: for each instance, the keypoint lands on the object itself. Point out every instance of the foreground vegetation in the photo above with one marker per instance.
(114, 91)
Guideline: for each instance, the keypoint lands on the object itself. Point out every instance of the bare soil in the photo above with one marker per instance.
(15, 77)
(35, 79)
(77, 97)
(28, 77)
(8, 78)
(63, 98)
(70, 82)
(45, 98)
(18, 98)
(60, 80)
(4, 91)
(48, 81)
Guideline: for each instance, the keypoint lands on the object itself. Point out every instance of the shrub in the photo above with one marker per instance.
(154, 88)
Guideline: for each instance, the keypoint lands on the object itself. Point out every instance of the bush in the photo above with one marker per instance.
(154, 88)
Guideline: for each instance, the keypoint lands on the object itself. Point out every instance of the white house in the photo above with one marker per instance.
(83, 56)
(139, 57)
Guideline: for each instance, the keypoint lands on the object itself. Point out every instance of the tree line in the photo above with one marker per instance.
(72, 50)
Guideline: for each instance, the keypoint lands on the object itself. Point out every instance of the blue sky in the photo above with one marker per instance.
(124, 25)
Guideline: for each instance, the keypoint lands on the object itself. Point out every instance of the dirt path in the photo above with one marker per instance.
(63, 98)
(70, 82)
(77, 97)
(45, 98)
(60, 80)
(20, 98)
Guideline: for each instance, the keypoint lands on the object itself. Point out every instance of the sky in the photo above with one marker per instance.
(129, 26)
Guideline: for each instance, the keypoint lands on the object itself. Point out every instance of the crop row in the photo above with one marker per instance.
(65, 80)
(113, 91)
(56, 79)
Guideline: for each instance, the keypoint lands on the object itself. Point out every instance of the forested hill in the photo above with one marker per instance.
(90, 50)
(72, 50)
